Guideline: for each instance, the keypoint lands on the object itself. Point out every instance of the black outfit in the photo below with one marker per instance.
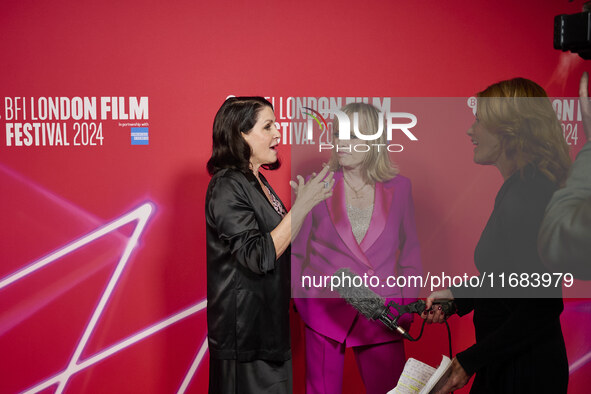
(248, 289)
(519, 344)
(258, 376)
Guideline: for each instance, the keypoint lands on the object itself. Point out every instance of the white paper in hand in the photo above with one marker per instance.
(418, 377)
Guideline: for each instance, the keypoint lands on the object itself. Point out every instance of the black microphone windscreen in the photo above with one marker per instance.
(360, 297)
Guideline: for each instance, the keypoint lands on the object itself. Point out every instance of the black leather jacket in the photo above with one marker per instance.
(248, 290)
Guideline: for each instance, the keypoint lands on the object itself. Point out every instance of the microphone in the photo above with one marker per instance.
(374, 307)
(368, 303)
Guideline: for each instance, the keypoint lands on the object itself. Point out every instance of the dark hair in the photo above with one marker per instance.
(237, 115)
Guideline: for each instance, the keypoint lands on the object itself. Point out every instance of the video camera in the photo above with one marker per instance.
(573, 32)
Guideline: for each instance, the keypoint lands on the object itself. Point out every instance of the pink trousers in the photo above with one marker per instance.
(380, 365)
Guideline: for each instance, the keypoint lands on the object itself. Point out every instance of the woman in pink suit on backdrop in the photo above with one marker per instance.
(368, 226)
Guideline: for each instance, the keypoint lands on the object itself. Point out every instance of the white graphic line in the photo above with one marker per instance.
(579, 363)
(98, 233)
(145, 333)
(75, 365)
(141, 215)
(193, 368)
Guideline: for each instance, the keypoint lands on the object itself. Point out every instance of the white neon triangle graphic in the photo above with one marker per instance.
(141, 215)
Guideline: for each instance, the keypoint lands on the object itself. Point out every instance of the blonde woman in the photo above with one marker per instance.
(519, 344)
(368, 226)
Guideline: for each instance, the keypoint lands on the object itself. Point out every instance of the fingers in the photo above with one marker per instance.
(428, 304)
(317, 177)
(318, 188)
(433, 312)
(435, 296)
(329, 177)
(300, 180)
(328, 188)
(456, 380)
(438, 315)
(585, 103)
(458, 377)
(584, 86)
(448, 387)
(326, 182)
(321, 174)
(433, 315)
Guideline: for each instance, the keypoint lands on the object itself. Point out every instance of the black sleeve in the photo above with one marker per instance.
(526, 325)
(465, 304)
(231, 213)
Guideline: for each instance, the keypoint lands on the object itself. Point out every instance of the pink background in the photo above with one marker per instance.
(187, 57)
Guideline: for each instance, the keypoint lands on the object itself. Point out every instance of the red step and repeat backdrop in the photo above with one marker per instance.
(105, 128)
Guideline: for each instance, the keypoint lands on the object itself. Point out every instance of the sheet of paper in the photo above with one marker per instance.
(439, 376)
(413, 377)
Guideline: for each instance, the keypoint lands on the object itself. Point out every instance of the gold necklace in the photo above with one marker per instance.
(357, 197)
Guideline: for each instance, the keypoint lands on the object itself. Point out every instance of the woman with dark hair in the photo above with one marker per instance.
(519, 344)
(248, 236)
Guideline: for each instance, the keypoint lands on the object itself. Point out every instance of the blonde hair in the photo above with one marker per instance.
(520, 113)
(376, 165)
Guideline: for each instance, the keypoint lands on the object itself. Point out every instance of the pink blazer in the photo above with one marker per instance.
(326, 243)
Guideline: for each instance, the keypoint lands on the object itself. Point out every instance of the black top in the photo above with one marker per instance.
(519, 345)
(248, 290)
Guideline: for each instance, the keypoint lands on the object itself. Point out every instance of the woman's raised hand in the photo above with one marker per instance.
(317, 189)
(585, 104)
